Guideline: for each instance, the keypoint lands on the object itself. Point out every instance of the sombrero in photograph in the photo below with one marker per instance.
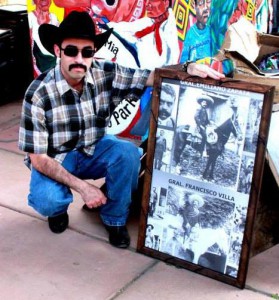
(150, 226)
(197, 198)
(206, 98)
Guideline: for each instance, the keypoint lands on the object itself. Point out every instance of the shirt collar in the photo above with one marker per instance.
(61, 83)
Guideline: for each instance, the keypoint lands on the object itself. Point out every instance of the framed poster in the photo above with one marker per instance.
(204, 166)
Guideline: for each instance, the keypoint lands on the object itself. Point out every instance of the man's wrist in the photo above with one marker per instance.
(186, 65)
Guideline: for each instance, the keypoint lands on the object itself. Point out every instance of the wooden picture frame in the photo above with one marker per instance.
(202, 182)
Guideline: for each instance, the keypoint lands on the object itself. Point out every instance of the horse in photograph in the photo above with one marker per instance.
(185, 136)
(201, 239)
(217, 137)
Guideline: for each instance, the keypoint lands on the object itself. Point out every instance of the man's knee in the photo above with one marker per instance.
(43, 208)
(129, 153)
(50, 204)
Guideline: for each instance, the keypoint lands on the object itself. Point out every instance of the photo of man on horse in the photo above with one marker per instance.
(209, 146)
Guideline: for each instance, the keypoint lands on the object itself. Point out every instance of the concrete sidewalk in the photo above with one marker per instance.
(80, 263)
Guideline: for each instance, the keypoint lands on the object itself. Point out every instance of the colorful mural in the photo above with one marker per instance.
(150, 34)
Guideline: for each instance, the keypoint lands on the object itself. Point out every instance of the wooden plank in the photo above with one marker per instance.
(266, 227)
(272, 153)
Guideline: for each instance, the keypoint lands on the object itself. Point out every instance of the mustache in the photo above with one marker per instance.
(77, 66)
(164, 112)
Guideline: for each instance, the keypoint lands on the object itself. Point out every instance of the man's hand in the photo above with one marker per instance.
(203, 71)
(92, 196)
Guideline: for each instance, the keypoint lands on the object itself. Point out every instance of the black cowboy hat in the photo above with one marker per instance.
(76, 25)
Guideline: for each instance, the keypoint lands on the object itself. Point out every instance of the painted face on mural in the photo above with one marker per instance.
(202, 12)
(43, 5)
(118, 10)
(155, 8)
(101, 7)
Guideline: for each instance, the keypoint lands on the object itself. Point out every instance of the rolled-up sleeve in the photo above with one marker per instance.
(33, 135)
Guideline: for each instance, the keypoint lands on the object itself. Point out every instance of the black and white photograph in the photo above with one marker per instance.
(198, 227)
(246, 173)
(168, 105)
(209, 138)
(200, 185)
(152, 239)
(253, 124)
(162, 155)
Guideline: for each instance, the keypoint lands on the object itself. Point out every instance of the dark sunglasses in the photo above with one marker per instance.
(73, 51)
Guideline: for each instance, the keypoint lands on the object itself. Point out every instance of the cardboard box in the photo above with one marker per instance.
(246, 48)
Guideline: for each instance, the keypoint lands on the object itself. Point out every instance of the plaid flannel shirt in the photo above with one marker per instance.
(56, 119)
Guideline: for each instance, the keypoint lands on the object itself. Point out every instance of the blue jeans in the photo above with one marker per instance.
(116, 160)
